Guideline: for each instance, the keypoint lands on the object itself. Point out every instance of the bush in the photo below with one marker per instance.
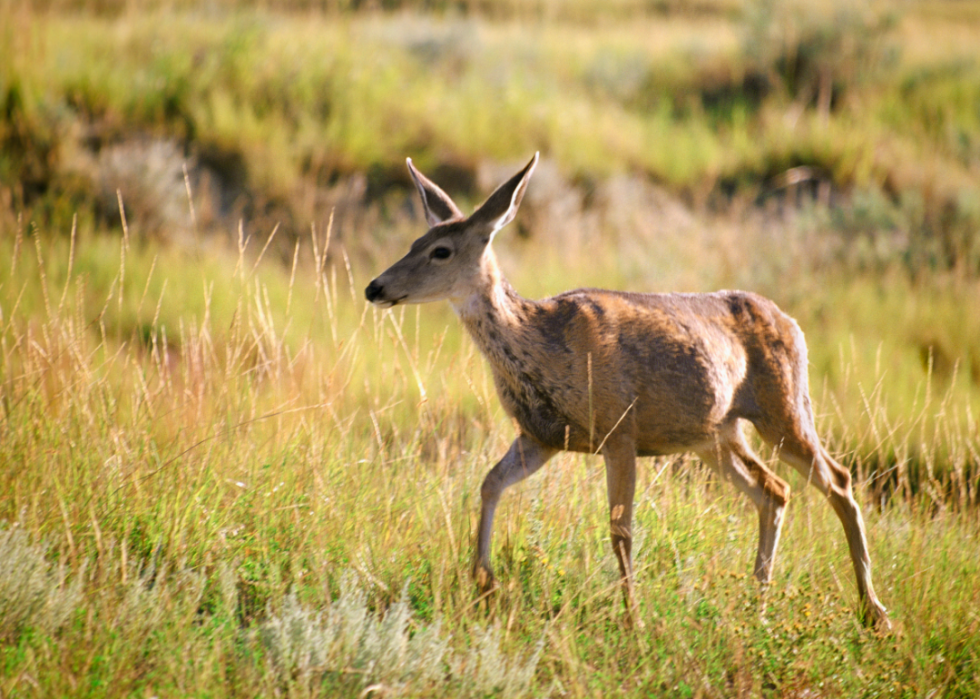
(34, 594)
(818, 51)
(348, 643)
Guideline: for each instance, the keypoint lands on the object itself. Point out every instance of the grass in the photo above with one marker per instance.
(226, 475)
(220, 496)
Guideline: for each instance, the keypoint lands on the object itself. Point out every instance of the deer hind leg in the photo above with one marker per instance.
(802, 450)
(733, 459)
(620, 456)
(524, 457)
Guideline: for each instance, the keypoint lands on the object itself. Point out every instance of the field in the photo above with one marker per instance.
(222, 473)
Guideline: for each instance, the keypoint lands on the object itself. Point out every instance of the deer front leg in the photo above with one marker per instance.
(621, 485)
(524, 457)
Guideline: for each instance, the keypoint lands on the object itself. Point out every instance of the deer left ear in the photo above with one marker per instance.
(501, 207)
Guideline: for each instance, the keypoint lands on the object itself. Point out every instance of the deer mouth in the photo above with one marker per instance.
(388, 303)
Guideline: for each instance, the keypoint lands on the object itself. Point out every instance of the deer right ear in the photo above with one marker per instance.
(437, 204)
(500, 209)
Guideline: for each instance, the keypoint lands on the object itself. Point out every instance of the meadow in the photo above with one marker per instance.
(225, 474)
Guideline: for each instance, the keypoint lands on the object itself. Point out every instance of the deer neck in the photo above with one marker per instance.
(505, 328)
(495, 316)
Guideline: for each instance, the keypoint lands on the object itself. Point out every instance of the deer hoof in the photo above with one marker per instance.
(484, 580)
(876, 618)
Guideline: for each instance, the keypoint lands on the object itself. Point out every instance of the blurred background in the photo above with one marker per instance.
(860, 115)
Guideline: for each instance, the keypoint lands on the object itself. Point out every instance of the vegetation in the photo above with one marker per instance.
(225, 475)
(274, 110)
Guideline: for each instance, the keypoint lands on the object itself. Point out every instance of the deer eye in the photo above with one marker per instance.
(441, 253)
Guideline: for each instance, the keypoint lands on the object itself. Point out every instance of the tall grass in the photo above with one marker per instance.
(226, 494)
(224, 474)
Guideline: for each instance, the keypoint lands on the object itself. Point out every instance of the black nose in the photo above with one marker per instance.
(373, 291)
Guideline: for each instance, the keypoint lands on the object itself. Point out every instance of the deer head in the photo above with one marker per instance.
(451, 260)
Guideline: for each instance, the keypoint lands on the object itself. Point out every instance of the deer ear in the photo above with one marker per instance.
(501, 207)
(437, 204)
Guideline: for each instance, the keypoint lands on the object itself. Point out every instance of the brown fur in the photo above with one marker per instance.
(628, 375)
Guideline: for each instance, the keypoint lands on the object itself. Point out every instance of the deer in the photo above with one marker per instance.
(628, 375)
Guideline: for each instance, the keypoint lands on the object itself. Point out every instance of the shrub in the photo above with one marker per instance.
(348, 643)
(34, 594)
(818, 51)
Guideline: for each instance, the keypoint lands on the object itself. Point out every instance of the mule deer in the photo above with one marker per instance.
(627, 375)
